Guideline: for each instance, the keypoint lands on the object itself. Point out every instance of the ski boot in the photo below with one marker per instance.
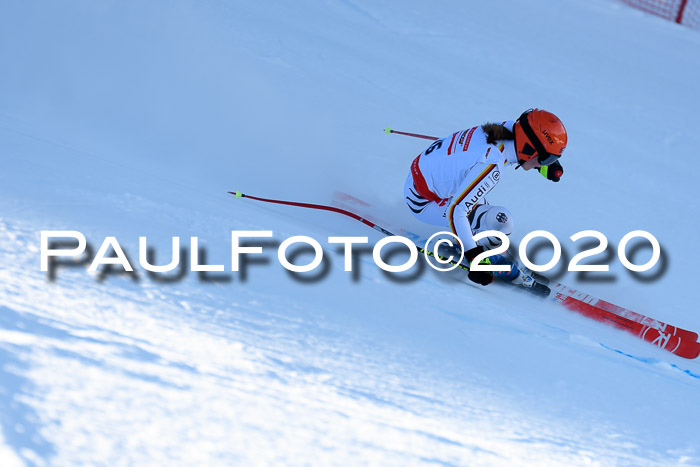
(525, 279)
(535, 283)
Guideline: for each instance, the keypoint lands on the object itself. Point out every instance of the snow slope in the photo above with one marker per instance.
(134, 119)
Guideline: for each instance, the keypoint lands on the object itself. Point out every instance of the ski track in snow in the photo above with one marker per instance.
(99, 369)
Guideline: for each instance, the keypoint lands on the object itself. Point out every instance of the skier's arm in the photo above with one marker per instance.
(479, 180)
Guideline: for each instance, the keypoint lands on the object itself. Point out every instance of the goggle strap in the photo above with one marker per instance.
(541, 151)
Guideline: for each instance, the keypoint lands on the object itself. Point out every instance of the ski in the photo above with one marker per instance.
(678, 341)
(673, 339)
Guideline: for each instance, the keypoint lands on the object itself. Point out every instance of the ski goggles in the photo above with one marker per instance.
(547, 159)
(543, 157)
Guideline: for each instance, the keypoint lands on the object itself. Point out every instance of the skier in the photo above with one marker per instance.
(448, 181)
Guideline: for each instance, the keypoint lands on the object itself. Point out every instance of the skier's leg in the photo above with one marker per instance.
(486, 217)
(425, 210)
(431, 213)
(483, 217)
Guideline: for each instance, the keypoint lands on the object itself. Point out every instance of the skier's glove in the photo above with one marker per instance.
(552, 172)
(480, 277)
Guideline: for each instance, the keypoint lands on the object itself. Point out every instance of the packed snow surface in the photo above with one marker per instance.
(130, 119)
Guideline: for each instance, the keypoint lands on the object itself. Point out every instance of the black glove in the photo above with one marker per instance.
(553, 171)
(480, 277)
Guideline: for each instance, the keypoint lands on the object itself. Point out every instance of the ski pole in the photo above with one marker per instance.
(389, 131)
(352, 215)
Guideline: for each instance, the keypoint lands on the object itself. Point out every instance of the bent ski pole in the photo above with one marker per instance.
(368, 223)
(389, 131)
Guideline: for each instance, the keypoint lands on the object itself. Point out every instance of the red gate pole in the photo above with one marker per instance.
(681, 9)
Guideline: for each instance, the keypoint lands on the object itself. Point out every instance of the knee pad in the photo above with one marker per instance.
(487, 217)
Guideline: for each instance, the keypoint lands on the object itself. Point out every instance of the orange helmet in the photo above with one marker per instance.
(539, 133)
